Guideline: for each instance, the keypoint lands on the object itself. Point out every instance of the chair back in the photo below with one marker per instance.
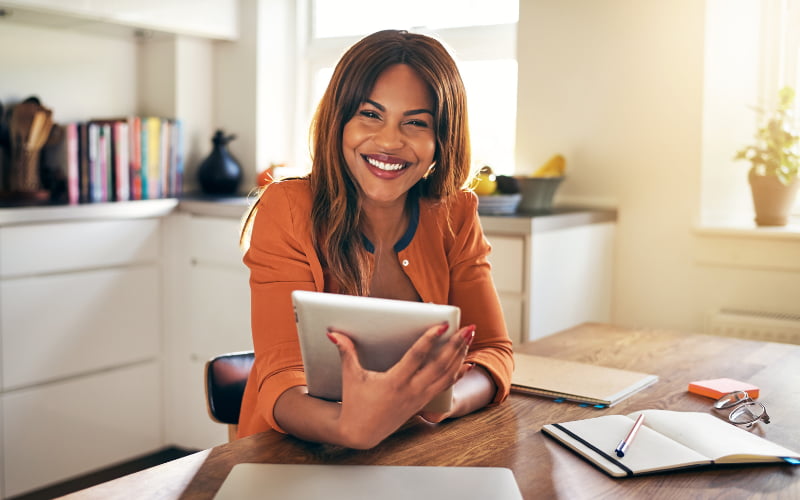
(226, 376)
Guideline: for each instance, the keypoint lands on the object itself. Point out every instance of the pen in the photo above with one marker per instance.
(623, 445)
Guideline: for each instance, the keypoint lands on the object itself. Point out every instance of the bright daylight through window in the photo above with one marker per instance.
(480, 34)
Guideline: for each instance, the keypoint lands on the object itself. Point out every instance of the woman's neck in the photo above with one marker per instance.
(385, 225)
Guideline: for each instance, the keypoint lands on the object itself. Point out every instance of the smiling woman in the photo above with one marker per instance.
(383, 213)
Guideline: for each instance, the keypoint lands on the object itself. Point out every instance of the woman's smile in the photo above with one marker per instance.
(388, 165)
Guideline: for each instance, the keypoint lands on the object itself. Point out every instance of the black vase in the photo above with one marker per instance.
(220, 173)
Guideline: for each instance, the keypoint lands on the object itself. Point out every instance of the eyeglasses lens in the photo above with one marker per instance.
(732, 399)
(748, 413)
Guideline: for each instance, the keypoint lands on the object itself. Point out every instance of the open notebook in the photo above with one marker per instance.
(580, 382)
(357, 482)
(667, 440)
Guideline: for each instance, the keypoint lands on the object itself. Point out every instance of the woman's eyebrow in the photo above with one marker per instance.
(407, 113)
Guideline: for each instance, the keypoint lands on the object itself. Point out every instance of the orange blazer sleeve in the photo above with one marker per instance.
(281, 258)
(472, 289)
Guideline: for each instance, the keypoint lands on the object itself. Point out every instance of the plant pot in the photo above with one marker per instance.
(772, 199)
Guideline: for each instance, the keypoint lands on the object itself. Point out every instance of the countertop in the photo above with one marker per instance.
(236, 207)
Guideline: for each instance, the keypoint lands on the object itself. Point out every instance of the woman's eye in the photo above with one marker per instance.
(418, 123)
(367, 113)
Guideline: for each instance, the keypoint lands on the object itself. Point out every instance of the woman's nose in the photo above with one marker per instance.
(389, 137)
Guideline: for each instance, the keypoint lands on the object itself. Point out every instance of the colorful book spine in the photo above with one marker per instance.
(144, 157)
(164, 158)
(95, 179)
(153, 126)
(122, 171)
(106, 163)
(135, 152)
(73, 164)
(176, 159)
(83, 167)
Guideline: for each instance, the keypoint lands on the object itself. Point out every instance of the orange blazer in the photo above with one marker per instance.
(444, 255)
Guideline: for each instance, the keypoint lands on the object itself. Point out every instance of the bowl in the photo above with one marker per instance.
(499, 204)
(537, 193)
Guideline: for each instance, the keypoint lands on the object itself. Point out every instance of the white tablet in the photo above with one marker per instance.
(381, 329)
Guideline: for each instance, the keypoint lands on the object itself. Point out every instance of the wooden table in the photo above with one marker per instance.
(509, 435)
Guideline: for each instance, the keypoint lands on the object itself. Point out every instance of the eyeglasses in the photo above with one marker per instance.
(745, 411)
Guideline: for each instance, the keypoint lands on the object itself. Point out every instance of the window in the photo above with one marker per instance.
(481, 35)
(781, 55)
(752, 50)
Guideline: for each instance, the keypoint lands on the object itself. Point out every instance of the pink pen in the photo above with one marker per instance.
(623, 445)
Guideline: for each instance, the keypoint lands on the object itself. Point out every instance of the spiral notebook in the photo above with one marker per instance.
(574, 381)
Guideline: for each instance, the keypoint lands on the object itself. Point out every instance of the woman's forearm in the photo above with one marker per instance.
(308, 418)
(473, 391)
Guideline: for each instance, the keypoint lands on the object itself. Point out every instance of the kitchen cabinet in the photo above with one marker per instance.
(209, 314)
(80, 307)
(552, 271)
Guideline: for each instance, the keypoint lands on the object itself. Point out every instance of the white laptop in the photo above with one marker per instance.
(381, 329)
(367, 482)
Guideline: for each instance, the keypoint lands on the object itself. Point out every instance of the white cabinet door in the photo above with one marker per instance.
(508, 262)
(60, 430)
(213, 317)
(219, 288)
(71, 246)
(509, 267)
(63, 325)
(572, 278)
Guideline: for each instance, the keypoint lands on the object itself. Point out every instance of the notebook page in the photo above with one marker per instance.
(650, 450)
(713, 437)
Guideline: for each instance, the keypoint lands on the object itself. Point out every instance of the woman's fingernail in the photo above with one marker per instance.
(470, 366)
(469, 333)
(442, 328)
(332, 338)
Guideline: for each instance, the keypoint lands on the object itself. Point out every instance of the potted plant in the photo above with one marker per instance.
(775, 162)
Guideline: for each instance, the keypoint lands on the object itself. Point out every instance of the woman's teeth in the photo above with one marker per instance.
(385, 166)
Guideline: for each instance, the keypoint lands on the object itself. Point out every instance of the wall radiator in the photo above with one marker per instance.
(754, 325)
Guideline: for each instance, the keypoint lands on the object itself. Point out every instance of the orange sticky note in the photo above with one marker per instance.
(718, 387)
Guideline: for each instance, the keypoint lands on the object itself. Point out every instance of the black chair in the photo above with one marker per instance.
(226, 376)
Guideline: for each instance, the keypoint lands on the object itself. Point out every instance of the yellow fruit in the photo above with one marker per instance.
(554, 167)
(485, 184)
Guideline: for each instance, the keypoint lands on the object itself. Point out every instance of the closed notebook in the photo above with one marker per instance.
(574, 381)
(667, 440)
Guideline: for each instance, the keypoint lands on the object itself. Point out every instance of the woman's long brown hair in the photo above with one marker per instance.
(336, 210)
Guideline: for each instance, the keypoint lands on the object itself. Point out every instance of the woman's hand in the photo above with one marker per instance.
(375, 404)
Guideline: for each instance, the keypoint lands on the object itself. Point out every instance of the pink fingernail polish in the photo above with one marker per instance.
(442, 328)
(469, 333)
(332, 338)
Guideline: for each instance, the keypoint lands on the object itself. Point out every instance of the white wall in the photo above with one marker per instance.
(78, 76)
(85, 75)
(618, 86)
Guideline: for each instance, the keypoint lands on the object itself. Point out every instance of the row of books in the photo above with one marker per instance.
(133, 158)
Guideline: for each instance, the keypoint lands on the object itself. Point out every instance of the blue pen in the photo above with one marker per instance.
(623, 445)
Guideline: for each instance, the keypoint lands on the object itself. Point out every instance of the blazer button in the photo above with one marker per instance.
(405, 262)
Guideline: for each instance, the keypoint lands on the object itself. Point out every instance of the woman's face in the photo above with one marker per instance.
(390, 142)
